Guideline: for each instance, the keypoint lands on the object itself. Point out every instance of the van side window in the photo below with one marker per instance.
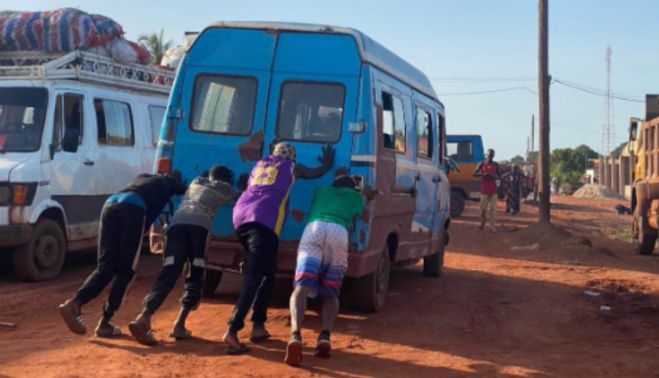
(460, 151)
(114, 122)
(68, 115)
(442, 135)
(156, 115)
(393, 123)
(311, 112)
(224, 104)
(424, 139)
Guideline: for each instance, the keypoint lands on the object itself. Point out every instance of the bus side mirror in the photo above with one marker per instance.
(633, 129)
(70, 140)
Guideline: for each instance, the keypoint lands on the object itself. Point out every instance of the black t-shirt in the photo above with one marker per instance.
(155, 191)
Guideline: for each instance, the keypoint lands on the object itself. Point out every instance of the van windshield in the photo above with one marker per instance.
(22, 115)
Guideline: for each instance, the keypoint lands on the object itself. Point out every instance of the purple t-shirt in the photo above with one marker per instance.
(266, 198)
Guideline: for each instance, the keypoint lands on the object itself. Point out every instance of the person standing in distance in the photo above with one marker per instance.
(488, 171)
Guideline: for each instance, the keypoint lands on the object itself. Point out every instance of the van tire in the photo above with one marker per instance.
(213, 279)
(457, 203)
(645, 246)
(433, 264)
(371, 290)
(42, 257)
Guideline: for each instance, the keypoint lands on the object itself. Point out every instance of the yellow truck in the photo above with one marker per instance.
(644, 150)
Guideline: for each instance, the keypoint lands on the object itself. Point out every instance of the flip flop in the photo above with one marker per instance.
(185, 334)
(142, 334)
(323, 349)
(293, 353)
(108, 334)
(234, 346)
(259, 338)
(75, 323)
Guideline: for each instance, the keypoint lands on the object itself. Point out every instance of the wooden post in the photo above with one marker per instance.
(543, 90)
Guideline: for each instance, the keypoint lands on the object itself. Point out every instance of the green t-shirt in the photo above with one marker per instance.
(336, 205)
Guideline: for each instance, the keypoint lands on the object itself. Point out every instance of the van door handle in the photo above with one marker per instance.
(417, 177)
(88, 162)
(437, 179)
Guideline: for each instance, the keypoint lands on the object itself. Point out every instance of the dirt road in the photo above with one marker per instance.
(503, 307)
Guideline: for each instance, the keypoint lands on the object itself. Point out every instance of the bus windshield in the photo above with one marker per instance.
(22, 115)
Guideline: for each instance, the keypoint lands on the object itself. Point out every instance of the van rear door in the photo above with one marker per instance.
(313, 97)
(225, 91)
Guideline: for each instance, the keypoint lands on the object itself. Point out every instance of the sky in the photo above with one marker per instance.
(465, 47)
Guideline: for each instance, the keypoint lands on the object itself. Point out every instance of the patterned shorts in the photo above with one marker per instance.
(322, 258)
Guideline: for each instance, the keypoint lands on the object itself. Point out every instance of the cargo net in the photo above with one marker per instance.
(84, 66)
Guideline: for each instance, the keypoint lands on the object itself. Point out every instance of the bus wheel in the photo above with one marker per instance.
(42, 257)
(213, 278)
(372, 289)
(457, 203)
(433, 264)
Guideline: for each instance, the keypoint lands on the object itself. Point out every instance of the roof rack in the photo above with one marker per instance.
(87, 67)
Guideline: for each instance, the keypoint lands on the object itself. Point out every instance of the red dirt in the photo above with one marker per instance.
(496, 311)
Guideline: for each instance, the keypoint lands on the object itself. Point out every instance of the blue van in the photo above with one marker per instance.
(242, 85)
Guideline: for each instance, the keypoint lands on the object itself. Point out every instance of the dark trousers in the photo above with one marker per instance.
(185, 243)
(120, 239)
(261, 245)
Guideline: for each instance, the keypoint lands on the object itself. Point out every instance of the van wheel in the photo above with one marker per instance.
(372, 289)
(457, 203)
(645, 246)
(433, 264)
(213, 278)
(42, 257)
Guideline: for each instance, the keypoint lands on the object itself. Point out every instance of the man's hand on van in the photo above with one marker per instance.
(370, 193)
(326, 158)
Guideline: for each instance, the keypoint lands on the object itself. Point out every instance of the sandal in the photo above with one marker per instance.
(234, 346)
(293, 352)
(142, 334)
(108, 333)
(75, 322)
(180, 335)
(259, 337)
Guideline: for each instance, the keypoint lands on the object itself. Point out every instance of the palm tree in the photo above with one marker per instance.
(156, 45)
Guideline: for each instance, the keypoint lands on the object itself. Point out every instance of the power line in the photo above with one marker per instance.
(489, 91)
(596, 92)
(500, 79)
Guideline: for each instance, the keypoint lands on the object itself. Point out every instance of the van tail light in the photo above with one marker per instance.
(19, 194)
(163, 165)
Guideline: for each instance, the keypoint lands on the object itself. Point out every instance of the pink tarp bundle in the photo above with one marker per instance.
(60, 30)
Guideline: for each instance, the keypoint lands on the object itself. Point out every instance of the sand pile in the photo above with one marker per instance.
(595, 191)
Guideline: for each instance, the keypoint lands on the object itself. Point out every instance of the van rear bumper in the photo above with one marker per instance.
(15, 234)
(228, 254)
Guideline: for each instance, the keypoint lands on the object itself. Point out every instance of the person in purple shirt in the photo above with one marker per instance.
(258, 218)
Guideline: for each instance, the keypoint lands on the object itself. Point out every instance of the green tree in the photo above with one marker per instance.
(155, 43)
(570, 164)
(517, 159)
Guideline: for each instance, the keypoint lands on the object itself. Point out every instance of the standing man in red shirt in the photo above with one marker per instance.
(488, 171)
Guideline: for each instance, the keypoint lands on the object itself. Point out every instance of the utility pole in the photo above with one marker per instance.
(543, 90)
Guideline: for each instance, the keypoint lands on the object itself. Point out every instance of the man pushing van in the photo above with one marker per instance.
(124, 218)
(187, 235)
(258, 218)
(322, 260)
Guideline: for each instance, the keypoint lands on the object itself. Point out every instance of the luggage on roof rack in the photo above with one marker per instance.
(86, 67)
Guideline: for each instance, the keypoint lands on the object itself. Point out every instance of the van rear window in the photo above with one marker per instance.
(224, 104)
(310, 112)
